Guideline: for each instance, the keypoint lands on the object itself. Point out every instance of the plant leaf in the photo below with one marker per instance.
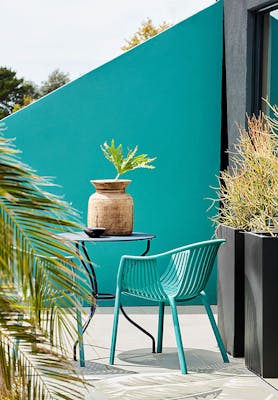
(125, 164)
(38, 278)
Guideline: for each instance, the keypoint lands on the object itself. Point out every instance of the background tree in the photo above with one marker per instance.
(13, 90)
(55, 80)
(26, 101)
(145, 32)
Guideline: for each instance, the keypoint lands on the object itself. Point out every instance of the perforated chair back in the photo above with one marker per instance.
(189, 269)
(186, 275)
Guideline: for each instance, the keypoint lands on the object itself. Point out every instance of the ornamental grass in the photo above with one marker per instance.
(248, 189)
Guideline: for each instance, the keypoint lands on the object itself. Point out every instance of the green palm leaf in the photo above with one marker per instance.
(38, 281)
(35, 362)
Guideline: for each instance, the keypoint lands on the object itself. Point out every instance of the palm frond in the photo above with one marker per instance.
(39, 283)
(25, 354)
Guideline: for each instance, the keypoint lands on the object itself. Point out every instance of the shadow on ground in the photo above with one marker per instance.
(208, 378)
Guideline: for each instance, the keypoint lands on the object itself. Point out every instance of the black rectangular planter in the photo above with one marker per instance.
(230, 303)
(261, 294)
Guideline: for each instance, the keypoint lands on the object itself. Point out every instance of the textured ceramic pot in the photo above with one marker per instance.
(111, 207)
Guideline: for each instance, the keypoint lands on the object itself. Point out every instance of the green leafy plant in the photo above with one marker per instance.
(128, 163)
(248, 189)
(36, 310)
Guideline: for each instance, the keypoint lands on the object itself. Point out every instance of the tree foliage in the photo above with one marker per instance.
(13, 90)
(16, 93)
(55, 80)
(145, 32)
(26, 101)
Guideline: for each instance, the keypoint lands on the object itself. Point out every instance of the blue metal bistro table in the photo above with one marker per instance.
(81, 239)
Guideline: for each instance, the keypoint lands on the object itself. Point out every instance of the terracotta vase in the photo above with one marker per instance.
(111, 207)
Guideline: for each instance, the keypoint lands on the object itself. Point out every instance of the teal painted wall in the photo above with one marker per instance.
(164, 95)
(273, 82)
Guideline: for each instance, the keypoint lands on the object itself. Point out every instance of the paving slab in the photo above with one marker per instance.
(139, 374)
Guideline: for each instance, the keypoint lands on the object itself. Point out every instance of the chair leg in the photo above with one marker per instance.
(214, 328)
(160, 327)
(80, 338)
(178, 336)
(115, 327)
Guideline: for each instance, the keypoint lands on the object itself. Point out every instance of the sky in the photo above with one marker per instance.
(77, 36)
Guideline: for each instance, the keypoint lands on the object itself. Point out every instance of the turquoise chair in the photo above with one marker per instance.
(184, 278)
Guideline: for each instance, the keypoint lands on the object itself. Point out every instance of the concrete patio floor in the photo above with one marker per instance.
(139, 374)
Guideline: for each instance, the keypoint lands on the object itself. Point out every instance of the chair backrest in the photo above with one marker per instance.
(140, 275)
(189, 269)
(185, 276)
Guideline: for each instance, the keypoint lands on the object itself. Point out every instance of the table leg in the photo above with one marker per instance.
(133, 322)
(147, 248)
(80, 340)
(139, 327)
(88, 266)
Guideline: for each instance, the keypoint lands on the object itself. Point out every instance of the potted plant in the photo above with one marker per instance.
(249, 202)
(111, 207)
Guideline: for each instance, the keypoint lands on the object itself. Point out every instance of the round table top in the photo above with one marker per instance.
(83, 237)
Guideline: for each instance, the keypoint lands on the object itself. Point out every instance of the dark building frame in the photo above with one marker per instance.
(242, 70)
